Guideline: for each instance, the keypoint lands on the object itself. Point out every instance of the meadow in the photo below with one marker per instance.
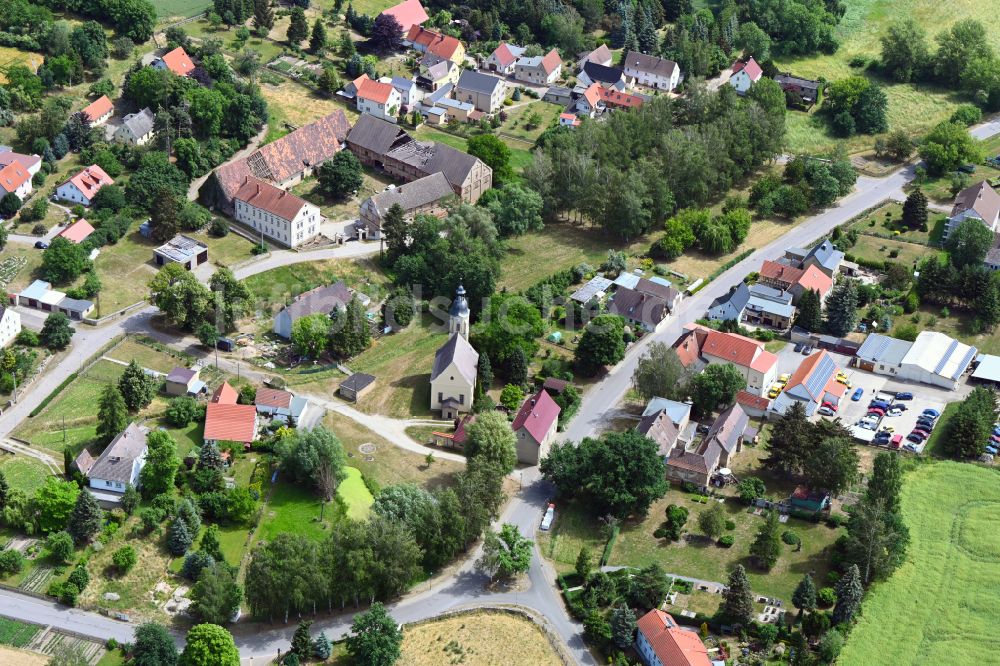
(478, 639)
(940, 607)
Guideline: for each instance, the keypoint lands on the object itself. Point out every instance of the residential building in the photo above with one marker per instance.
(745, 74)
(227, 421)
(381, 144)
(357, 386)
(117, 467)
(483, 91)
(15, 179)
(600, 56)
(425, 195)
(645, 304)
(183, 250)
(436, 75)
(614, 99)
(177, 61)
(659, 428)
(539, 70)
(82, 187)
(409, 93)
(379, 99)
(408, 14)
(284, 162)
(980, 202)
(813, 383)
(535, 427)
(558, 95)
(796, 281)
(185, 381)
(277, 214)
(280, 405)
(453, 111)
(650, 71)
(136, 128)
(799, 91)
(596, 99)
(41, 296)
(699, 346)
(660, 641)
(933, 358)
(715, 451)
(825, 256)
(607, 76)
(77, 232)
(323, 300)
(99, 111)
(569, 120)
(443, 47)
(679, 413)
(756, 304)
(453, 377)
(225, 394)
(33, 163)
(503, 58)
(10, 326)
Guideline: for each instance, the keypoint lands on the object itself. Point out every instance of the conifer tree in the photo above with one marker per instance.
(112, 414)
(849, 593)
(738, 604)
(85, 521)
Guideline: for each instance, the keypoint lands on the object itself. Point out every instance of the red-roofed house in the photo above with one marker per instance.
(82, 187)
(569, 120)
(78, 231)
(812, 384)
(279, 215)
(795, 280)
(177, 61)
(230, 423)
(590, 101)
(225, 395)
(268, 400)
(408, 14)
(378, 99)
(745, 74)
(812, 278)
(99, 111)
(442, 46)
(15, 179)
(503, 58)
(699, 345)
(615, 99)
(540, 70)
(662, 642)
(535, 427)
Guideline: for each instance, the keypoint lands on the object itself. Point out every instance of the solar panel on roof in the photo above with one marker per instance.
(943, 361)
(965, 362)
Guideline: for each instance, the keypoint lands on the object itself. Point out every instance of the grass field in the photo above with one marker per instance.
(940, 607)
(872, 248)
(913, 108)
(372, 183)
(300, 106)
(278, 286)
(136, 586)
(23, 473)
(13, 56)
(888, 220)
(147, 357)
(180, 8)
(355, 494)
(17, 657)
(478, 639)
(125, 270)
(516, 117)
(520, 155)
(295, 509)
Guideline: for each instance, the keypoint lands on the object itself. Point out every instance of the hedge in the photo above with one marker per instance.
(729, 264)
(606, 555)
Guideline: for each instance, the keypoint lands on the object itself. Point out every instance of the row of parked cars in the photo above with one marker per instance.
(993, 447)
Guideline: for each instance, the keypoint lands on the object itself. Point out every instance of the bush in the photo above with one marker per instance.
(835, 520)
(219, 228)
(730, 525)
(726, 540)
(967, 114)
(790, 537)
(39, 229)
(124, 559)
(11, 562)
(826, 597)
(660, 532)
(28, 338)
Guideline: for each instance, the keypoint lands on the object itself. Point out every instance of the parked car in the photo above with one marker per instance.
(783, 379)
(830, 405)
(935, 413)
(996, 430)
(881, 438)
(924, 422)
(798, 347)
(910, 447)
(858, 392)
(550, 514)
(775, 390)
(896, 440)
(876, 411)
(807, 350)
(915, 438)
(995, 439)
(905, 395)
(879, 403)
(967, 168)
(887, 429)
(924, 433)
(41, 245)
(825, 411)
(992, 450)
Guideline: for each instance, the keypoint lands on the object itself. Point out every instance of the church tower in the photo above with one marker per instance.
(458, 315)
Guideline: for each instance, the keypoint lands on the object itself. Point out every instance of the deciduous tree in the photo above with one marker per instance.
(969, 242)
(601, 344)
(209, 645)
(136, 387)
(56, 331)
(505, 554)
(216, 596)
(375, 638)
(716, 385)
(659, 372)
(491, 437)
(340, 176)
(158, 474)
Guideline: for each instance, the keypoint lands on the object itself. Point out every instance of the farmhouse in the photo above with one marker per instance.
(721, 443)
(540, 70)
(15, 179)
(379, 99)
(535, 427)
(40, 295)
(177, 61)
(503, 58)
(933, 358)
(319, 300)
(679, 413)
(813, 383)
(660, 641)
(185, 381)
(745, 74)
(183, 250)
(425, 195)
(979, 202)
(650, 71)
(824, 256)
(483, 91)
(280, 405)
(10, 326)
(99, 111)
(798, 91)
(600, 56)
(117, 467)
(283, 163)
(408, 14)
(453, 377)
(136, 128)
(699, 346)
(82, 187)
(277, 214)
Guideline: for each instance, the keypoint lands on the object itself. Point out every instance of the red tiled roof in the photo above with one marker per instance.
(13, 176)
(98, 108)
(233, 423)
(730, 347)
(90, 180)
(672, 644)
(374, 90)
(752, 68)
(551, 61)
(688, 346)
(78, 231)
(593, 95)
(225, 395)
(805, 370)
(750, 400)
(178, 62)
(814, 278)
(504, 57)
(772, 270)
(537, 415)
(268, 397)
(614, 98)
(408, 13)
(443, 46)
(257, 193)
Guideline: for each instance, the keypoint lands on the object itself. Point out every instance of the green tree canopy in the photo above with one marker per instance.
(505, 554)
(209, 645)
(491, 437)
(375, 638)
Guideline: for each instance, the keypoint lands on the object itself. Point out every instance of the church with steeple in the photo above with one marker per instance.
(456, 364)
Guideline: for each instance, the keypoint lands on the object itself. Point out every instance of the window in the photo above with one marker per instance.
(461, 398)
(440, 396)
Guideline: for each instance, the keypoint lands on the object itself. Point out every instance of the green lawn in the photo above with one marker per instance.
(279, 286)
(372, 183)
(939, 189)
(355, 494)
(146, 356)
(872, 248)
(228, 251)
(296, 510)
(180, 8)
(888, 220)
(941, 606)
(23, 473)
(515, 125)
(125, 270)
(232, 540)
(520, 155)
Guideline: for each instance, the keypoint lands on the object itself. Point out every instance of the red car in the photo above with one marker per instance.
(830, 405)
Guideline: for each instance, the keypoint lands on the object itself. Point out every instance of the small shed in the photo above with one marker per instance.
(804, 499)
(357, 386)
(184, 381)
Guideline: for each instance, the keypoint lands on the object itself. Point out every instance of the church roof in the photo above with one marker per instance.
(459, 306)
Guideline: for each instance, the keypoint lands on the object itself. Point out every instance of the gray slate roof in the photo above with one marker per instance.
(459, 350)
(139, 124)
(431, 157)
(981, 198)
(479, 82)
(413, 195)
(115, 463)
(602, 74)
(650, 64)
(320, 299)
(738, 297)
(181, 375)
(357, 381)
(377, 135)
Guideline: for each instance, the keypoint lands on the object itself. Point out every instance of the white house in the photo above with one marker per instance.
(745, 74)
(409, 93)
(136, 128)
(503, 58)
(979, 202)
(118, 466)
(10, 325)
(277, 214)
(322, 299)
(378, 99)
(700, 345)
(15, 179)
(82, 187)
(535, 427)
(650, 71)
(540, 70)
